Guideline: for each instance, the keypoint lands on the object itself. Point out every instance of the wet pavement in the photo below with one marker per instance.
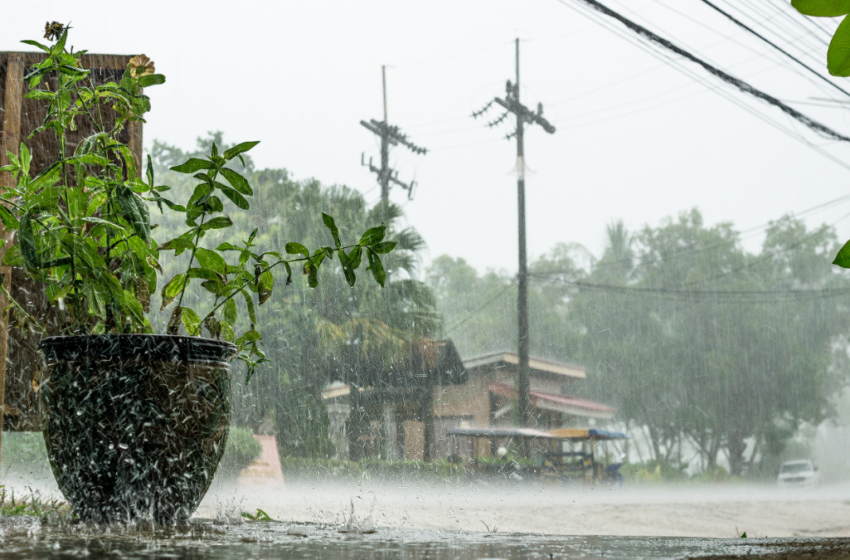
(29, 538)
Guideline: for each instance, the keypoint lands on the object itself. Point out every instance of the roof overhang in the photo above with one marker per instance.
(537, 365)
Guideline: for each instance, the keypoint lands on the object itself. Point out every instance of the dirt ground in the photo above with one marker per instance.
(669, 511)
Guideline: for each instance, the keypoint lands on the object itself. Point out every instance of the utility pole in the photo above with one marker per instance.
(389, 135)
(511, 104)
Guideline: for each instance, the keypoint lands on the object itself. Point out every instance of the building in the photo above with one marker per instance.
(409, 417)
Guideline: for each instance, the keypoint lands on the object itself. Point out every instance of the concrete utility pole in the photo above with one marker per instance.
(523, 115)
(389, 135)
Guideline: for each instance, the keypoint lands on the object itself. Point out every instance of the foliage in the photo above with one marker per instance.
(838, 55)
(656, 470)
(699, 344)
(260, 516)
(84, 230)
(35, 505)
(314, 336)
(241, 450)
(370, 469)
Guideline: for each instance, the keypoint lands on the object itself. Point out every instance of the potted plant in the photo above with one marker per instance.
(135, 423)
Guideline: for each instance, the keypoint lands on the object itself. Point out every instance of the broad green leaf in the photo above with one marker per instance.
(151, 80)
(193, 165)
(373, 235)
(213, 286)
(295, 248)
(252, 336)
(237, 181)
(822, 8)
(227, 332)
(205, 274)
(838, 54)
(384, 247)
(239, 149)
(219, 222)
(376, 267)
(172, 289)
(230, 311)
(329, 223)
(236, 198)
(842, 259)
(134, 211)
(265, 286)
(191, 321)
(26, 240)
(354, 257)
(177, 243)
(350, 277)
(9, 220)
(228, 247)
(211, 260)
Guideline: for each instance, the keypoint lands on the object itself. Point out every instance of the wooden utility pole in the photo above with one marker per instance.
(511, 104)
(389, 135)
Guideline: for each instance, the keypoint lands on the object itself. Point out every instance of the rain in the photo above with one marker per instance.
(376, 280)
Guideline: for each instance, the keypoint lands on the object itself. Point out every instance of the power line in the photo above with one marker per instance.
(747, 28)
(740, 84)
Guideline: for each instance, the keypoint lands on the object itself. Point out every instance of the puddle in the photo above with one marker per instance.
(26, 538)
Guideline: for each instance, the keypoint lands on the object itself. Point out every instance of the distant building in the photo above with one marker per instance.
(436, 391)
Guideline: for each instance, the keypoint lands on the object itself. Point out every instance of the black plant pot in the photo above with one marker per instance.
(135, 425)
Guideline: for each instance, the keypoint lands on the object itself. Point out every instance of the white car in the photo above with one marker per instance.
(798, 473)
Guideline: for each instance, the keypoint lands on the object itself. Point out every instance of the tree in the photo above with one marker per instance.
(316, 336)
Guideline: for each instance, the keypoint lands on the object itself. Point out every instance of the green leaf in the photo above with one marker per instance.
(354, 257)
(265, 286)
(822, 8)
(237, 181)
(36, 44)
(238, 149)
(252, 336)
(230, 311)
(26, 239)
(211, 260)
(173, 289)
(329, 223)
(26, 158)
(134, 211)
(191, 321)
(236, 198)
(151, 80)
(227, 332)
(350, 277)
(842, 259)
(838, 54)
(177, 243)
(384, 247)
(377, 267)
(213, 326)
(205, 274)
(249, 303)
(373, 235)
(9, 220)
(214, 286)
(193, 165)
(219, 222)
(228, 247)
(295, 248)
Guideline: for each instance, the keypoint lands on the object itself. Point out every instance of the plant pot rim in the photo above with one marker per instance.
(161, 347)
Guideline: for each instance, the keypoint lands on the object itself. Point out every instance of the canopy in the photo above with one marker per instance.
(586, 433)
(500, 433)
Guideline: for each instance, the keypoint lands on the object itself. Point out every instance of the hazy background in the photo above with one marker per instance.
(636, 139)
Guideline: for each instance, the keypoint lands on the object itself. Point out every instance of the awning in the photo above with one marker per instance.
(500, 433)
(586, 433)
(565, 404)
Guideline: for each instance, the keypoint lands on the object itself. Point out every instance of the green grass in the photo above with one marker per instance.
(33, 505)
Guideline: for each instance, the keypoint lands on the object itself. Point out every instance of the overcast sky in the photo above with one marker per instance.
(636, 139)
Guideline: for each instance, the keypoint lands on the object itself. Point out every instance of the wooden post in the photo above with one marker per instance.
(10, 142)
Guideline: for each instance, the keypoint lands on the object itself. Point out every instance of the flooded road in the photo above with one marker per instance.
(22, 538)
